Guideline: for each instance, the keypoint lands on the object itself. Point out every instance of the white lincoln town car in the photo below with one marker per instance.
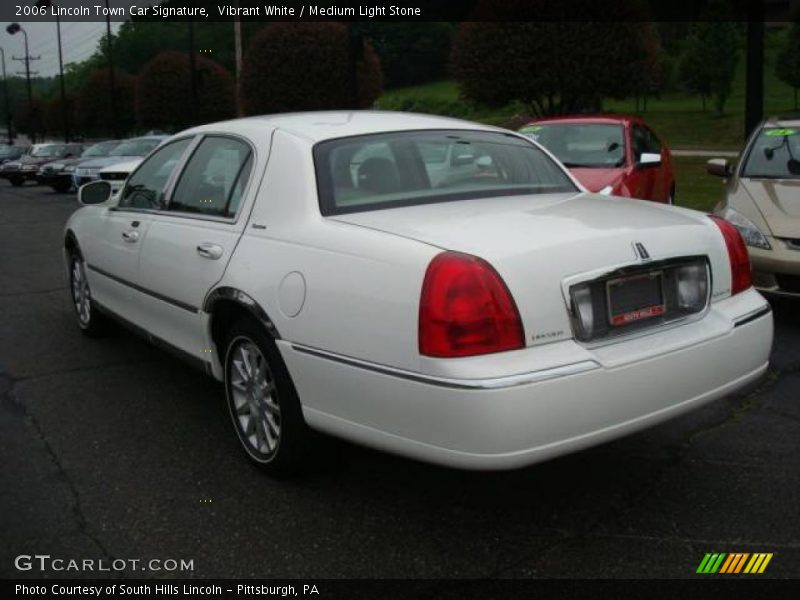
(427, 286)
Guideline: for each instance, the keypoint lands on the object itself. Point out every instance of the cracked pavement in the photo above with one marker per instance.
(111, 448)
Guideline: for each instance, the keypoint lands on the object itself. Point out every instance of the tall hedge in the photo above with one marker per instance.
(163, 92)
(306, 66)
(53, 116)
(93, 112)
(410, 53)
(28, 118)
(555, 64)
(787, 64)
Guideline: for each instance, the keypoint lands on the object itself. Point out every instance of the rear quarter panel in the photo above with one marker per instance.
(362, 287)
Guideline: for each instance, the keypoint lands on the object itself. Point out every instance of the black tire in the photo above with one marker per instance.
(252, 406)
(61, 188)
(671, 197)
(91, 322)
(16, 181)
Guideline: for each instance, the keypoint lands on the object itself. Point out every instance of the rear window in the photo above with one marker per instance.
(585, 145)
(408, 168)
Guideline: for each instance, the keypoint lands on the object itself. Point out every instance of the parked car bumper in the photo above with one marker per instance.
(510, 421)
(777, 271)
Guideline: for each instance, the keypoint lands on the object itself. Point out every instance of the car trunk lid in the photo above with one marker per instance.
(538, 243)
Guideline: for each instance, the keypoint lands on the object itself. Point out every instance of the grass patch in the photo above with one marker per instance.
(694, 188)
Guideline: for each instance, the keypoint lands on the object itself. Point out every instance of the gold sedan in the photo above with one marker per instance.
(762, 199)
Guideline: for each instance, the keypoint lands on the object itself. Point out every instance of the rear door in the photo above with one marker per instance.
(192, 239)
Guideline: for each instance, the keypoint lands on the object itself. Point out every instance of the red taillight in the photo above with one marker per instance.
(466, 309)
(737, 254)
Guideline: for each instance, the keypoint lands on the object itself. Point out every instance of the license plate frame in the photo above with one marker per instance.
(647, 310)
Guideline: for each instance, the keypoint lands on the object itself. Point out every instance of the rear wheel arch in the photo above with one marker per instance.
(226, 306)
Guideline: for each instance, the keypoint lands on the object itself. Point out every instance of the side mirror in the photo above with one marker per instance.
(95, 192)
(719, 167)
(649, 159)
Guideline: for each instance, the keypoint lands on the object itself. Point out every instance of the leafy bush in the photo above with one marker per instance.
(787, 65)
(410, 53)
(708, 61)
(163, 92)
(28, 118)
(53, 117)
(553, 65)
(428, 105)
(94, 114)
(306, 66)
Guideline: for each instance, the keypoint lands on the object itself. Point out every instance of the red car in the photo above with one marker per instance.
(616, 155)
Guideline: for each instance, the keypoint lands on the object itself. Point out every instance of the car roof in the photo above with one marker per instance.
(610, 118)
(324, 125)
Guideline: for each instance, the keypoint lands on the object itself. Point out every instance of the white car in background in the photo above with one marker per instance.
(116, 174)
(496, 317)
(130, 149)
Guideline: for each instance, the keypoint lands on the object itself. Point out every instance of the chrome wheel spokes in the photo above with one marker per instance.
(80, 292)
(254, 397)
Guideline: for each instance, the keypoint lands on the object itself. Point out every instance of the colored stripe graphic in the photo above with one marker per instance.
(758, 563)
(734, 563)
(711, 562)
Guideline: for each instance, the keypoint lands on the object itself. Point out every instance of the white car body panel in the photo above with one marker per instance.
(343, 292)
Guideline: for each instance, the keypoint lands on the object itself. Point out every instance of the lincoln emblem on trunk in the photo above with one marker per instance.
(640, 251)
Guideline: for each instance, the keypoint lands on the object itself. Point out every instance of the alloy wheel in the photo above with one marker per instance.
(254, 400)
(81, 296)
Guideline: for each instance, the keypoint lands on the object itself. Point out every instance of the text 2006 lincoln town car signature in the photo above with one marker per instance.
(428, 286)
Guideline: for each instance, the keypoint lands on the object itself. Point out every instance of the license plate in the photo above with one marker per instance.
(635, 298)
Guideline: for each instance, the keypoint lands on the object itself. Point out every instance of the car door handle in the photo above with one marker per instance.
(208, 250)
(130, 236)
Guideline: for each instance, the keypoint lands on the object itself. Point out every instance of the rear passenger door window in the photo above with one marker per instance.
(214, 179)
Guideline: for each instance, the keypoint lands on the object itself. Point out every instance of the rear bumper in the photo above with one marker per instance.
(511, 421)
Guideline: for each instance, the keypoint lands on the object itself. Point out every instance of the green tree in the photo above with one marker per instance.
(306, 66)
(410, 53)
(94, 115)
(29, 117)
(554, 65)
(53, 116)
(163, 92)
(708, 62)
(787, 65)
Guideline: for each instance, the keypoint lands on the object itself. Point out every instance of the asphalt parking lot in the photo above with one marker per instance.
(113, 449)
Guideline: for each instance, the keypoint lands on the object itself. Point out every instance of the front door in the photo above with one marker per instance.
(113, 242)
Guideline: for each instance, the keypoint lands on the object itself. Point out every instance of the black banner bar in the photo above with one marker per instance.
(703, 586)
(392, 10)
